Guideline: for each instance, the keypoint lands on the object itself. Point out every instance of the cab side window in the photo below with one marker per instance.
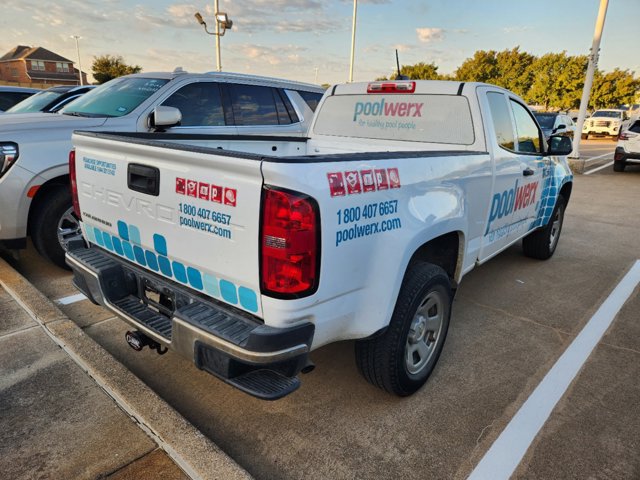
(527, 130)
(200, 104)
(501, 120)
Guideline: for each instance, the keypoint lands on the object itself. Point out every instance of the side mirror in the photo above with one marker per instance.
(559, 145)
(163, 116)
(560, 127)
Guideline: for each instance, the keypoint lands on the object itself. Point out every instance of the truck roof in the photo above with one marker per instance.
(438, 87)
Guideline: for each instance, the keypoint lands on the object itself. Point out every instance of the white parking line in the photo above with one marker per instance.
(71, 299)
(507, 451)
(599, 168)
(599, 156)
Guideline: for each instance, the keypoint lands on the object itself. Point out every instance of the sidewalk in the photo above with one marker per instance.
(70, 410)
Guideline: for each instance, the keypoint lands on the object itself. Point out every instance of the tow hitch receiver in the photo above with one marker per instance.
(138, 340)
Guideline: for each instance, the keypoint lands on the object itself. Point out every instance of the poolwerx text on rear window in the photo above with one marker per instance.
(414, 118)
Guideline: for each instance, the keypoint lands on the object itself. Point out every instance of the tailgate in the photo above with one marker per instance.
(189, 214)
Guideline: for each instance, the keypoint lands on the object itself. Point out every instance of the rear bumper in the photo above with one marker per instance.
(621, 155)
(225, 342)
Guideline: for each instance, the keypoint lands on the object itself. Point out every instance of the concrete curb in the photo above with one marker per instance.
(580, 165)
(187, 446)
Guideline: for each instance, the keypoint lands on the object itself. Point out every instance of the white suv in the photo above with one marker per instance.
(34, 148)
(628, 148)
(604, 122)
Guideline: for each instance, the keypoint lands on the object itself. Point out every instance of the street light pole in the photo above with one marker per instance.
(588, 82)
(223, 23)
(78, 52)
(353, 39)
(218, 59)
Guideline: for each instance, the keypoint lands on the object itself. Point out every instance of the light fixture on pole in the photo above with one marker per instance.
(77, 37)
(223, 23)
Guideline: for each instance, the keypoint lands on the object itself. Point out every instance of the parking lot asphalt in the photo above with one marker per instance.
(512, 319)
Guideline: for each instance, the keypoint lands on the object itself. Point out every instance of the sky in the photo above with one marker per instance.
(310, 40)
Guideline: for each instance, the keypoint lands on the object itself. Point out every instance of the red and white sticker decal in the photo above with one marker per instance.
(203, 190)
(207, 191)
(216, 193)
(381, 179)
(394, 178)
(230, 196)
(181, 186)
(368, 182)
(192, 188)
(336, 184)
(353, 182)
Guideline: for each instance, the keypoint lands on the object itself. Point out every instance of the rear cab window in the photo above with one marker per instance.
(429, 118)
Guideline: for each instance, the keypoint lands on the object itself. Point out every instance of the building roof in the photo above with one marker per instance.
(32, 53)
(40, 75)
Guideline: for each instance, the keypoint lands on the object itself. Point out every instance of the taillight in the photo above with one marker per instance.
(623, 135)
(290, 244)
(74, 184)
(391, 87)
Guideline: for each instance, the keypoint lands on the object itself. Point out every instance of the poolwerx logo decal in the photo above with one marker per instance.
(387, 109)
(510, 201)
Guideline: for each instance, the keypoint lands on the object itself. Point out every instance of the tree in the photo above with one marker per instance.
(558, 80)
(610, 90)
(108, 67)
(510, 69)
(482, 67)
(514, 70)
(419, 71)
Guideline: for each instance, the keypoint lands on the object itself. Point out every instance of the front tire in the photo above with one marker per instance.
(584, 136)
(401, 359)
(542, 243)
(619, 166)
(54, 224)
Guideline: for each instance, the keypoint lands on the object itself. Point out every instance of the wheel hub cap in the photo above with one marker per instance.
(68, 229)
(424, 332)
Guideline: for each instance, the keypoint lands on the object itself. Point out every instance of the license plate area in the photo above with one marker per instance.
(157, 297)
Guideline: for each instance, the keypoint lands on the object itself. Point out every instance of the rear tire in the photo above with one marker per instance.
(619, 166)
(542, 243)
(401, 359)
(584, 136)
(54, 222)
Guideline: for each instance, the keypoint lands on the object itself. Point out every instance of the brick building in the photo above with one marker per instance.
(36, 65)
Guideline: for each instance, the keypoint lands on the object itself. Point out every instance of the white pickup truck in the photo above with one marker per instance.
(246, 254)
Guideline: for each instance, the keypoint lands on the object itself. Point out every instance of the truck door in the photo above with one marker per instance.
(517, 147)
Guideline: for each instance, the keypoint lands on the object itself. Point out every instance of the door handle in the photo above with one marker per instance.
(527, 172)
(143, 179)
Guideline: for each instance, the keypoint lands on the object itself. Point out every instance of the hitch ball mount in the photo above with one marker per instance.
(138, 340)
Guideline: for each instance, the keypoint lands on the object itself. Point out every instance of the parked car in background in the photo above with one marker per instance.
(34, 147)
(555, 123)
(604, 122)
(50, 100)
(628, 148)
(9, 96)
